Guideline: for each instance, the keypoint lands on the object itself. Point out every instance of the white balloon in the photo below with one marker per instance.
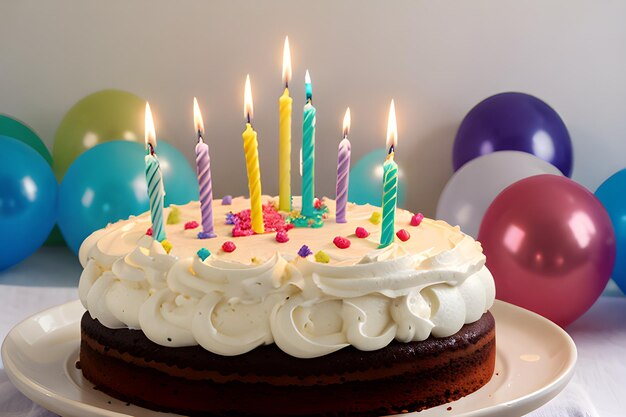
(475, 185)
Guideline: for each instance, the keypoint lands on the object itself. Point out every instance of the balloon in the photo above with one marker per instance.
(549, 245)
(515, 122)
(108, 183)
(473, 187)
(17, 130)
(611, 195)
(366, 180)
(100, 117)
(28, 201)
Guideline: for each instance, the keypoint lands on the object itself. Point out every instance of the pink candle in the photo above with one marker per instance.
(203, 168)
(343, 171)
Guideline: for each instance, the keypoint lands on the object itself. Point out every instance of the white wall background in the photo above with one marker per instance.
(437, 59)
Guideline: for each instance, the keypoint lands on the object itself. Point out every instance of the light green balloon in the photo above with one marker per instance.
(9, 126)
(100, 117)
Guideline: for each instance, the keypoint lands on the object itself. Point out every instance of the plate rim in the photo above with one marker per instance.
(54, 402)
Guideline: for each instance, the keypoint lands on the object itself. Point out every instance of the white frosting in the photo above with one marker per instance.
(263, 293)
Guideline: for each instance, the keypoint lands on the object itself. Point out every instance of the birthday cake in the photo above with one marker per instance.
(295, 321)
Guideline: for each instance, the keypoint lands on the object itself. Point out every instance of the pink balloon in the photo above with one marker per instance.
(549, 245)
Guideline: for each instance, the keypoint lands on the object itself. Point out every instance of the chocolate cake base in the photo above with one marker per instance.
(267, 382)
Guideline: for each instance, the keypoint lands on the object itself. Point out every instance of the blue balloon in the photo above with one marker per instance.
(108, 183)
(28, 201)
(514, 122)
(611, 195)
(366, 180)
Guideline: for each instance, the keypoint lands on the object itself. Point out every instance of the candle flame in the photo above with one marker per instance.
(286, 62)
(307, 77)
(247, 100)
(346, 123)
(197, 119)
(149, 128)
(392, 129)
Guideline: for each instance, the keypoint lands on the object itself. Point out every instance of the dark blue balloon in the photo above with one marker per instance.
(514, 122)
(28, 201)
(612, 196)
(108, 183)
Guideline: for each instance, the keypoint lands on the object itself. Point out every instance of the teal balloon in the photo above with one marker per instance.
(108, 183)
(611, 195)
(13, 128)
(16, 129)
(366, 180)
(28, 201)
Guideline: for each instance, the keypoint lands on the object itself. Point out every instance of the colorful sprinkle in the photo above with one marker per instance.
(174, 216)
(227, 200)
(375, 217)
(417, 219)
(166, 245)
(361, 233)
(149, 231)
(282, 237)
(403, 235)
(272, 220)
(191, 225)
(230, 218)
(304, 251)
(341, 242)
(322, 257)
(228, 246)
(317, 203)
(203, 253)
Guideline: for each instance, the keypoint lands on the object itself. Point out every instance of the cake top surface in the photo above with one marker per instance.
(430, 236)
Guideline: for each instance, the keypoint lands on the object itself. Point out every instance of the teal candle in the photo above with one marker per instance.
(390, 182)
(390, 200)
(308, 151)
(156, 192)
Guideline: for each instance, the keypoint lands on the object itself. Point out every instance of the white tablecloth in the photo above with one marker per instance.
(598, 388)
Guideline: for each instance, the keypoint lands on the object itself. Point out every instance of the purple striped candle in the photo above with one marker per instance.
(205, 184)
(343, 171)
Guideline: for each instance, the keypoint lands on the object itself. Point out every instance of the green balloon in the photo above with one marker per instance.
(12, 127)
(100, 117)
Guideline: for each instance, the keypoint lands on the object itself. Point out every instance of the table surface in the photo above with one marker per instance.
(598, 388)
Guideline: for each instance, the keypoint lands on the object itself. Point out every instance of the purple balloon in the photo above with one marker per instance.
(514, 122)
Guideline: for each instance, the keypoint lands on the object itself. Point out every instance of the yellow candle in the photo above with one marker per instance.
(284, 150)
(250, 147)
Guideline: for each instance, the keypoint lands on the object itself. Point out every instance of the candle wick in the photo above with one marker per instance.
(248, 117)
(286, 84)
(151, 149)
(392, 149)
(200, 138)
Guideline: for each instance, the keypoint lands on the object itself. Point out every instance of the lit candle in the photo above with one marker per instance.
(250, 147)
(390, 182)
(284, 150)
(308, 151)
(203, 169)
(156, 192)
(343, 171)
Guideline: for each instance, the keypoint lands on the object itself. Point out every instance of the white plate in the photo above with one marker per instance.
(534, 362)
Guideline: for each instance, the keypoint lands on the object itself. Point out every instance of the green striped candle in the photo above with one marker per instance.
(390, 182)
(308, 151)
(156, 192)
